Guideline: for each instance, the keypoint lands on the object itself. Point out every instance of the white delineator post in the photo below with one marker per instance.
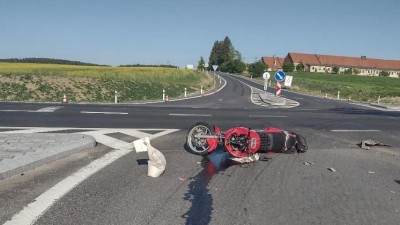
(163, 94)
(338, 95)
(201, 89)
(116, 97)
(185, 92)
(65, 99)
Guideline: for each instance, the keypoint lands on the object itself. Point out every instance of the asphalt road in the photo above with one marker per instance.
(364, 189)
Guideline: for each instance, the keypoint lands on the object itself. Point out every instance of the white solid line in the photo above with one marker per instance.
(355, 130)
(42, 203)
(34, 210)
(174, 114)
(117, 113)
(17, 110)
(267, 116)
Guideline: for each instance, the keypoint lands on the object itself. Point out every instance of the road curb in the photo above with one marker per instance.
(28, 161)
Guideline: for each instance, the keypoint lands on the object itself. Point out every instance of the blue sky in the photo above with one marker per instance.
(178, 32)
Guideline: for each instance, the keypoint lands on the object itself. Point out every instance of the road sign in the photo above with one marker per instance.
(266, 76)
(214, 67)
(288, 81)
(280, 76)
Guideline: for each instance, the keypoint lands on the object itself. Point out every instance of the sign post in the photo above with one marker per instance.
(215, 67)
(266, 77)
(279, 77)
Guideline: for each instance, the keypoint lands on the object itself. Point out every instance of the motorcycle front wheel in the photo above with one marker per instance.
(195, 145)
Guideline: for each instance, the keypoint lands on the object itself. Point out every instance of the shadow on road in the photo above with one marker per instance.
(198, 194)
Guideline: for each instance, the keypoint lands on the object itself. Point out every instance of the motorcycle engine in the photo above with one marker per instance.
(238, 142)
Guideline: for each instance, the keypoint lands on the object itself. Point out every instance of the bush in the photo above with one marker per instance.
(288, 67)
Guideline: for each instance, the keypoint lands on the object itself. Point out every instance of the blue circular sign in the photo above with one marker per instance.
(280, 76)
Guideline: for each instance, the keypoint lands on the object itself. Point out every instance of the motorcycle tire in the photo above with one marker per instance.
(301, 145)
(198, 146)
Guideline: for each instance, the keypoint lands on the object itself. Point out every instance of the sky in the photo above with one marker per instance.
(179, 32)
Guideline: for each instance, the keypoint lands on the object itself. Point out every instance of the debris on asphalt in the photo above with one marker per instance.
(371, 172)
(265, 158)
(308, 163)
(332, 169)
(157, 162)
(366, 143)
(248, 159)
(183, 178)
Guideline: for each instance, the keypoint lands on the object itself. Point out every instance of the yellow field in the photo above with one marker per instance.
(116, 73)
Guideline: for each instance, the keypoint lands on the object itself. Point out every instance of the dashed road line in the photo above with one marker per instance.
(177, 114)
(107, 113)
(267, 116)
(355, 130)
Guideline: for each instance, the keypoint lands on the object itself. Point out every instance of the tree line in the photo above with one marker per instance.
(142, 65)
(48, 61)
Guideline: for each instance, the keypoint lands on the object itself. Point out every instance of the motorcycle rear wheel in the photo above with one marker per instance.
(198, 146)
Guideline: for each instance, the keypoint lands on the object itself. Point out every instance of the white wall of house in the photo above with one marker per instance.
(361, 71)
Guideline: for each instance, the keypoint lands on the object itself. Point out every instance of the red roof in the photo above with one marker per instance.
(273, 62)
(344, 61)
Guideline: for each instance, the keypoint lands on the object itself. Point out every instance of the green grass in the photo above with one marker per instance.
(362, 88)
(49, 82)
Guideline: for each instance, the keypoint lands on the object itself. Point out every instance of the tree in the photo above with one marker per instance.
(288, 67)
(257, 69)
(356, 71)
(335, 70)
(300, 67)
(226, 57)
(384, 74)
(348, 71)
(201, 65)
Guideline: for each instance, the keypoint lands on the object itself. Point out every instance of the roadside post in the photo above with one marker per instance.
(201, 89)
(266, 77)
(163, 94)
(185, 92)
(279, 77)
(116, 97)
(338, 95)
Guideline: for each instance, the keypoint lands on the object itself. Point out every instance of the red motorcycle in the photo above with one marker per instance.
(202, 139)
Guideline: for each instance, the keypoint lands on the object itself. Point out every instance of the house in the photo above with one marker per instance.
(273, 63)
(359, 65)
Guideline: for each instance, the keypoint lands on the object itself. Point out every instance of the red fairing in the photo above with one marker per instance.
(212, 142)
(272, 130)
(217, 131)
(253, 145)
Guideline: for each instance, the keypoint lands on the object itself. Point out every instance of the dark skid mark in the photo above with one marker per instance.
(198, 194)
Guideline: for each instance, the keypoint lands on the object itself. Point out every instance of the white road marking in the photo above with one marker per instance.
(267, 116)
(177, 114)
(17, 110)
(49, 109)
(24, 130)
(46, 109)
(355, 130)
(42, 203)
(116, 113)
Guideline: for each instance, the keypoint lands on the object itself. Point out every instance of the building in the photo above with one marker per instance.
(273, 63)
(358, 65)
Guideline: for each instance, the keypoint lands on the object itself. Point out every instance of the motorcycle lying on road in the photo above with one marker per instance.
(203, 138)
